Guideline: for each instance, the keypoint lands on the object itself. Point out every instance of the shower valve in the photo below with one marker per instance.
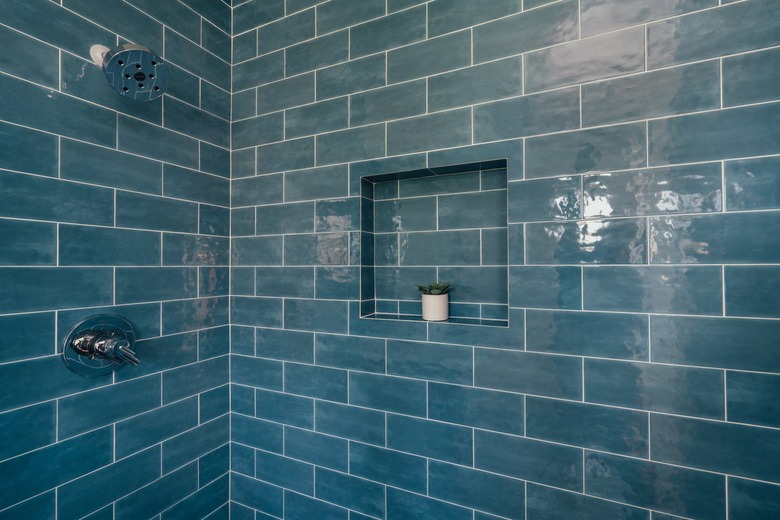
(107, 345)
(99, 345)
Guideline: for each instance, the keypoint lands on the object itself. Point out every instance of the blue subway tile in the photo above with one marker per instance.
(476, 284)
(196, 123)
(338, 14)
(242, 459)
(394, 30)
(750, 78)
(754, 500)
(196, 59)
(476, 407)
(610, 148)
(27, 429)
(198, 250)
(389, 467)
(436, 362)
(318, 382)
(44, 469)
(263, 497)
(468, 86)
(552, 504)
(317, 249)
(292, 282)
(316, 183)
(393, 102)
(325, 116)
(545, 463)
(195, 186)
(715, 446)
(350, 422)
(257, 251)
(749, 291)
(355, 144)
(546, 287)
(134, 210)
(41, 288)
(185, 315)
(338, 283)
(207, 498)
(286, 93)
(257, 433)
(42, 506)
(284, 472)
(27, 150)
(351, 492)
(195, 443)
(686, 290)
(401, 504)
(286, 155)
(526, 31)
(364, 354)
(34, 243)
(264, 189)
(258, 71)
(428, 57)
(162, 354)
(352, 76)
(587, 242)
(457, 14)
(193, 379)
(316, 315)
(712, 33)
(317, 53)
(473, 210)
(749, 398)
(545, 200)
(444, 247)
(258, 312)
(260, 373)
(605, 335)
(136, 471)
(301, 506)
(157, 143)
(258, 130)
(321, 450)
(285, 32)
(655, 191)
(139, 284)
(725, 134)
(388, 393)
(214, 220)
(214, 281)
(157, 425)
(213, 465)
(750, 184)
(421, 133)
(599, 16)
(684, 391)
(430, 439)
(285, 408)
(599, 427)
(530, 373)
(285, 345)
(477, 489)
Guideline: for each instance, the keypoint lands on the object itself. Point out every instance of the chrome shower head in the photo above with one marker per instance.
(135, 72)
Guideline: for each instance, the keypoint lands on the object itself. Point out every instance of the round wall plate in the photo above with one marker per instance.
(85, 366)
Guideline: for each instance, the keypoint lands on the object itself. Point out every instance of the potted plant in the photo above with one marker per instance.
(435, 301)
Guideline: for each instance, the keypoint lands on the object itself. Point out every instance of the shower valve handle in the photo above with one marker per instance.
(104, 345)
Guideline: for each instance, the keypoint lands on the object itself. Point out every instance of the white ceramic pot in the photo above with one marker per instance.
(436, 307)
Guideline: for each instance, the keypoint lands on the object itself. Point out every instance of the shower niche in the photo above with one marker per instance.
(445, 224)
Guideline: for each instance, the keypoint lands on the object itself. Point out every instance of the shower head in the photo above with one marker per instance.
(134, 71)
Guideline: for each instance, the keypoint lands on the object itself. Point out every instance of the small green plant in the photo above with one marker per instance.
(435, 288)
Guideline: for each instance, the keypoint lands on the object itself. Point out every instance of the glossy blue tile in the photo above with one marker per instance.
(431, 361)
(214, 159)
(256, 12)
(316, 315)
(393, 394)
(242, 459)
(27, 429)
(667, 92)
(197, 250)
(749, 398)
(285, 408)
(258, 71)
(257, 130)
(525, 32)
(599, 427)
(258, 312)
(473, 210)
(49, 467)
(476, 407)
(149, 212)
(477, 489)
(604, 335)
(518, 117)
(750, 184)
(388, 467)
(529, 373)
(356, 144)
(552, 504)
(684, 391)
(430, 439)
(300, 506)
(285, 345)
(53, 200)
(162, 354)
(591, 59)
(749, 499)
(317, 183)
(711, 33)
(388, 103)
(35, 243)
(457, 14)
(284, 472)
(196, 123)
(193, 379)
(725, 134)
(197, 60)
(546, 287)
(599, 16)
(338, 283)
(285, 32)
(476, 284)
(244, 105)
(260, 373)
(428, 57)
(257, 495)
(195, 443)
(338, 215)
(257, 251)
(353, 76)
(286, 93)
(364, 354)
(139, 284)
(325, 116)
(468, 86)
(341, 13)
(416, 214)
(214, 281)
(207, 498)
(545, 463)
(587, 242)
(317, 249)
(42, 506)
(545, 200)
(718, 239)
(27, 150)
(40, 288)
(256, 433)
(442, 248)
(214, 464)
(214, 220)
(157, 425)
(318, 382)
(135, 472)
(715, 446)
(156, 142)
(351, 492)
(350, 422)
(394, 30)
(749, 291)
(285, 155)
(749, 78)
(185, 315)
(242, 163)
(295, 282)
(655, 191)
(610, 148)
(322, 450)
(111, 404)
(317, 53)
(263, 189)
(685, 290)
(401, 504)
(186, 184)
(440, 130)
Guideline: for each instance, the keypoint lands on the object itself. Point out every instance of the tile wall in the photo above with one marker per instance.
(639, 374)
(114, 206)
